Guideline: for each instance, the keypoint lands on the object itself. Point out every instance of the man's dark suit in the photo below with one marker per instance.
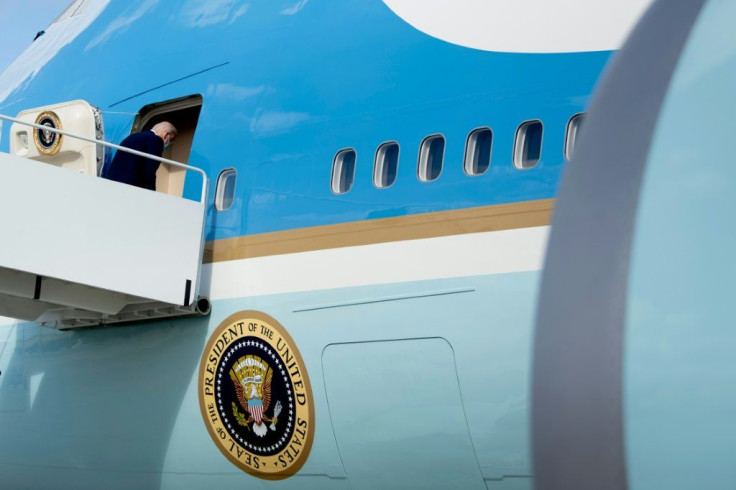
(133, 169)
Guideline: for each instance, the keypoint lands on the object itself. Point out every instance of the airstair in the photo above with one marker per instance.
(78, 250)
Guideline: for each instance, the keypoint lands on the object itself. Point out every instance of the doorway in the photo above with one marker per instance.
(183, 113)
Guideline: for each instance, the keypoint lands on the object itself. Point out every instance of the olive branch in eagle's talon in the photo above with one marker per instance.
(240, 417)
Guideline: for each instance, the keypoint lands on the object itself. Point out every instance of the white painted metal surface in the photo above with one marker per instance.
(524, 26)
(74, 154)
(472, 254)
(94, 232)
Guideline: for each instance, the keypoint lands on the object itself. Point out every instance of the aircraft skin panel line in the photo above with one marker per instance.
(381, 179)
(509, 251)
(275, 111)
(188, 452)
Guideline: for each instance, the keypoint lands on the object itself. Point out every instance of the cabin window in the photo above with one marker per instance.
(478, 151)
(431, 153)
(225, 189)
(571, 134)
(528, 145)
(386, 165)
(343, 171)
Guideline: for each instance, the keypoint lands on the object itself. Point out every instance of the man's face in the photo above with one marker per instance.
(168, 138)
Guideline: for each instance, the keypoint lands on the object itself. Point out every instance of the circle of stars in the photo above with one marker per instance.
(269, 354)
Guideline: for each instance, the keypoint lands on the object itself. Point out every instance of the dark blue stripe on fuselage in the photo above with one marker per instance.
(298, 88)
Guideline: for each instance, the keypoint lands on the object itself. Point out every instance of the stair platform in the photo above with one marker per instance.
(79, 250)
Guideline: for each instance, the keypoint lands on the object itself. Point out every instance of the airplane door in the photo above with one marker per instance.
(407, 428)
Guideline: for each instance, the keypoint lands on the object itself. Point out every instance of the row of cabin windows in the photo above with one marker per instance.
(526, 154)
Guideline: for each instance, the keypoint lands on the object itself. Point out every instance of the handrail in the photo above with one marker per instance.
(203, 197)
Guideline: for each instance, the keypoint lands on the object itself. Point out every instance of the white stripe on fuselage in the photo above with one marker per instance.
(472, 254)
(524, 26)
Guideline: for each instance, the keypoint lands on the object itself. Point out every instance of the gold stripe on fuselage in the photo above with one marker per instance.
(411, 227)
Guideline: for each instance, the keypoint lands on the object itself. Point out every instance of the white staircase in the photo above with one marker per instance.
(78, 250)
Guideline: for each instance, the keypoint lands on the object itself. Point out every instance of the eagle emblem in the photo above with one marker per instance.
(252, 377)
(47, 142)
(255, 396)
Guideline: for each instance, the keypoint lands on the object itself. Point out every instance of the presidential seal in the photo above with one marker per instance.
(47, 142)
(255, 396)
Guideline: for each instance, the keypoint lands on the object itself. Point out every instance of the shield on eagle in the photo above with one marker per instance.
(252, 376)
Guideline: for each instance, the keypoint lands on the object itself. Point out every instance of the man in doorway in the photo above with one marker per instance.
(137, 170)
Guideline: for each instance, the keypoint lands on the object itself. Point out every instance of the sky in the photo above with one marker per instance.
(20, 20)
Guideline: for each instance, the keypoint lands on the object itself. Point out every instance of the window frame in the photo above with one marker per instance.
(466, 160)
(519, 143)
(376, 173)
(333, 174)
(220, 188)
(422, 162)
(572, 136)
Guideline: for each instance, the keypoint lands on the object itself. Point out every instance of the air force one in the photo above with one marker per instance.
(334, 284)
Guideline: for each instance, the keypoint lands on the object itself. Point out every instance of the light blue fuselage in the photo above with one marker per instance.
(447, 358)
